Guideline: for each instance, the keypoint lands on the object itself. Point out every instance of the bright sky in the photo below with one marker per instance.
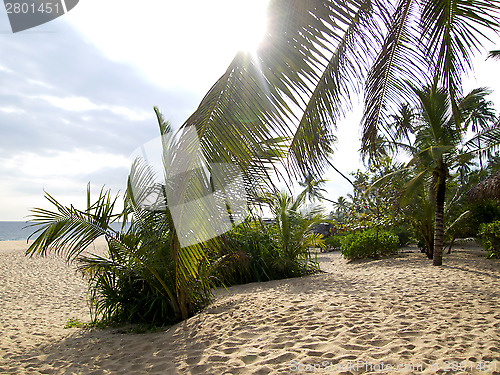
(77, 93)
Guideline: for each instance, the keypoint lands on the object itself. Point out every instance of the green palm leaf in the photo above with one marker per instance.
(70, 231)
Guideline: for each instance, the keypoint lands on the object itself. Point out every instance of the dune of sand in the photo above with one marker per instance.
(388, 316)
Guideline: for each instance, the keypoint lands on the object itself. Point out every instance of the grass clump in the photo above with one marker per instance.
(75, 323)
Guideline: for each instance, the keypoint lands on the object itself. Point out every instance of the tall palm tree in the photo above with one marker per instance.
(313, 188)
(317, 54)
(437, 148)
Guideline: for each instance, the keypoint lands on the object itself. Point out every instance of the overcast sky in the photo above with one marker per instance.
(77, 93)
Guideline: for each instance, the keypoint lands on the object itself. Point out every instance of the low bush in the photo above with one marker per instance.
(404, 235)
(245, 257)
(490, 237)
(333, 242)
(369, 244)
(251, 255)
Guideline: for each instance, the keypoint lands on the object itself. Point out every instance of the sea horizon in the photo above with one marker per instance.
(19, 230)
(15, 230)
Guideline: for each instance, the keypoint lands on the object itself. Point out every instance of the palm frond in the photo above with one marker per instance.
(143, 189)
(412, 187)
(341, 77)
(488, 139)
(495, 54)
(70, 231)
(397, 64)
(386, 178)
(233, 120)
(476, 111)
(283, 91)
(456, 222)
(452, 31)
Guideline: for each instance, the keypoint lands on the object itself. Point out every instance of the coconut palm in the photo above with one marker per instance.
(437, 148)
(294, 224)
(341, 207)
(317, 54)
(149, 251)
(313, 189)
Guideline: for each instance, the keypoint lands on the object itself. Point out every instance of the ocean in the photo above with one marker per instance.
(14, 230)
(17, 231)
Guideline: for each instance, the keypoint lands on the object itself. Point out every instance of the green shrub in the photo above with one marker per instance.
(334, 241)
(245, 257)
(368, 245)
(251, 255)
(483, 212)
(404, 235)
(490, 236)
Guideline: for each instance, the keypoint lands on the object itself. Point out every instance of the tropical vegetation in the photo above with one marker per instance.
(369, 244)
(146, 275)
(270, 119)
(490, 234)
(436, 142)
(280, 248)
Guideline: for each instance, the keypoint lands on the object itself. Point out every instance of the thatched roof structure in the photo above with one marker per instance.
(489, 188)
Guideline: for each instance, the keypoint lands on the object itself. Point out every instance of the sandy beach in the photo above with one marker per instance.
(389, 316)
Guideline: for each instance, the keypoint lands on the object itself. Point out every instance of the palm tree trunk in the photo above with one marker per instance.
(180, 304)
(439, 218)
(182, 299)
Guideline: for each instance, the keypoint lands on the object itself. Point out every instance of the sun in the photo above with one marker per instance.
(247, 24)
(169, 39)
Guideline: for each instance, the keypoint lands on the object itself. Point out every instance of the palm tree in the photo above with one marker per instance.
(293, 225)
(137, 257)
(286, 99)
(437, 147)
(478, 114)
(341, 208)
(155, 242)
(314, 189)
(316, 54)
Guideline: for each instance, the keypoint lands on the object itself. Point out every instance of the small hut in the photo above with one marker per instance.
(489, 188)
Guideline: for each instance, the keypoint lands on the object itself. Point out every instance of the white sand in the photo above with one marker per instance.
(357, 318)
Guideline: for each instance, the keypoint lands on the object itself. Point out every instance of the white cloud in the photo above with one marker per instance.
(82, 104)
(39, 83)
(26, 175)
(78, 104)
(11, 110)
(129, 114)
(62, 164)
(5, 69)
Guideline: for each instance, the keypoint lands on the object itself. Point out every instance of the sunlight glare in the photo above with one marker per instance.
(167, 40)
(248, 24)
